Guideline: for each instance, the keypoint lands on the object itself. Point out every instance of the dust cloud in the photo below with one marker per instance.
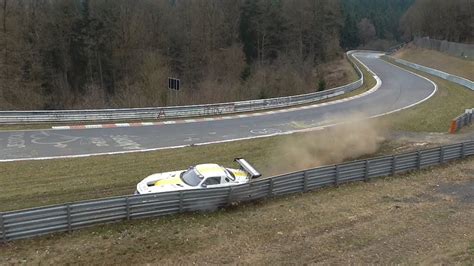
(354, 136)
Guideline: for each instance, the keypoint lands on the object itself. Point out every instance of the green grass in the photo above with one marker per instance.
(436, 114)
(39, 183)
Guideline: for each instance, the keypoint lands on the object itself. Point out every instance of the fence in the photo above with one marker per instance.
(71, 216)
(461, 81)
(461, 121)
(17, 117)
(456, 49)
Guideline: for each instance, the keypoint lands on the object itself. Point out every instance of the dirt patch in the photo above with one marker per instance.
(403, 141)
(463, 192)
(355, 137)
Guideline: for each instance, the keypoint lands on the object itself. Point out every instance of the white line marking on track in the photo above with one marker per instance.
(122, 124)
(93, 126)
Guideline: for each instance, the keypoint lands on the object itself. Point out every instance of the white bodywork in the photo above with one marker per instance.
(196, 177)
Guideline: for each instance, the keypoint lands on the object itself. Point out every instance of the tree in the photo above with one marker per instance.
(449, 20)
(383, 14)
(350, 34)
(366, 31)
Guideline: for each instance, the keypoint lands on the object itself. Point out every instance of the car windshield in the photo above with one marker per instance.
(190, 177)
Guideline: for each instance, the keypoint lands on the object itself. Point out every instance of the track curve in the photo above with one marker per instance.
(399, 89)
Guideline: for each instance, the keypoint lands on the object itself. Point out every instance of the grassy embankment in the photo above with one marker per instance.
(437, 60)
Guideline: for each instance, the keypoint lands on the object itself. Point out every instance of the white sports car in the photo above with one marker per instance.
(199, 176)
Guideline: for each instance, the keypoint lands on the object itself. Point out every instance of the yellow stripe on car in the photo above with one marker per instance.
(171, 181)
(239, 173)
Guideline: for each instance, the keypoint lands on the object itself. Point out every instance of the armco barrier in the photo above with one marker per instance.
(18, 117)
(461, 81)
(461, 121)
(71, 216)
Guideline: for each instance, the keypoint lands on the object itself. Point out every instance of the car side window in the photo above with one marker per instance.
(212, 181)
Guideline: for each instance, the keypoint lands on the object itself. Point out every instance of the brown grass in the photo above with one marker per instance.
(425, 217)
(434, 59)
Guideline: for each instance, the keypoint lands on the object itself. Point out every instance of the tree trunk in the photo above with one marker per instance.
(5, 45)
(100, 71)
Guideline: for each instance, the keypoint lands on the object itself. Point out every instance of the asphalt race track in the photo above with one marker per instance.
(399, 89)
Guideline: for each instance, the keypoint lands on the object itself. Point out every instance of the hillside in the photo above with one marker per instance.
(434, 59)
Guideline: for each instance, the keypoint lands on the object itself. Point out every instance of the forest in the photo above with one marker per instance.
(67, 54)
(440, 19)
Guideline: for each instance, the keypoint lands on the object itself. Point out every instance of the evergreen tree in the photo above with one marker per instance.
(349, 34)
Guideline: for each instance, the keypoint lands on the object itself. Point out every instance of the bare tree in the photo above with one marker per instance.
(366, 31)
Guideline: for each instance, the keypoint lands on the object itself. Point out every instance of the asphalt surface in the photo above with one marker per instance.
(398, 90)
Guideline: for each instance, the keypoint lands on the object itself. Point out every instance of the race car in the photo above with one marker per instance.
(198, 177)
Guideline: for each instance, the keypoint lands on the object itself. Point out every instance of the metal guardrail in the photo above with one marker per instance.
(71, 216)
(461, 121)
(392, 50)
(459, 80)
(18, 117)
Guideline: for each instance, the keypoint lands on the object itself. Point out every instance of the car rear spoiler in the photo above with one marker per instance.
(248, 167)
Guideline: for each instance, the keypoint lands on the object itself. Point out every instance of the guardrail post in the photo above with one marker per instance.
(69, 226)
(394, 164)
(305, 181)
(127, 204)
(441, 155)
(181, 201)
(2, 227)
(337, 176)
(366, 174)
(418, 160)
(463, 150)
(270, 189)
